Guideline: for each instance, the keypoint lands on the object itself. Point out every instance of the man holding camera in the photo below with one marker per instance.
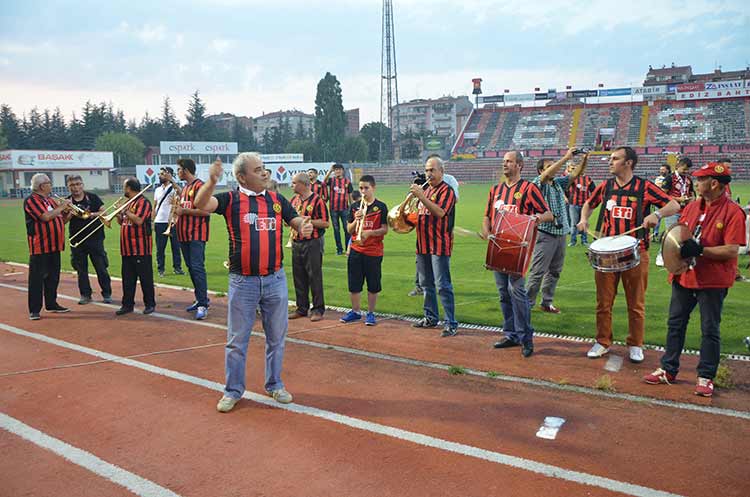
(549, 251)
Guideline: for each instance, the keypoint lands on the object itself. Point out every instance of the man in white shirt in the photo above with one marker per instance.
(164, 196)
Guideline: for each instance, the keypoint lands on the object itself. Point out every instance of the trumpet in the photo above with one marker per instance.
(77, 211)
(105, 218)
(361, 221)
(292, 231)
(402, 217)
(173, 212)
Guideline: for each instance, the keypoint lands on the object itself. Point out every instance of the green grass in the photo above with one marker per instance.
(476, 296)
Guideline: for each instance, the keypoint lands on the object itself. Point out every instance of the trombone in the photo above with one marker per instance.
(77, 211)
(105, 218)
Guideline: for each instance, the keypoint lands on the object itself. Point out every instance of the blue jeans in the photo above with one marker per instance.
(246, 294)
(343, 216)
(435, 271)
(161, 245)
(194, 253)
(514, 303)
(574, 211)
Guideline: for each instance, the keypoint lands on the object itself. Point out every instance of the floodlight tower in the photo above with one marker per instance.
(388, 81)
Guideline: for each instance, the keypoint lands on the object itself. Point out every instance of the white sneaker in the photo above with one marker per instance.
(636, 354)
(281, 396)
(598, 350)
(226, 404)
(659, 260)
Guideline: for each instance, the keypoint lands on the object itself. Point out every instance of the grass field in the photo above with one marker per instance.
(476, 296)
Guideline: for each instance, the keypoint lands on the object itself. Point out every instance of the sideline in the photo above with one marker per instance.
(368, 426)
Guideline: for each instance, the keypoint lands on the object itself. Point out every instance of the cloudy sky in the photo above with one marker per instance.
(253, 56)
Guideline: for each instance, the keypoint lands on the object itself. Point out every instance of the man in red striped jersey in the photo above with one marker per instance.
(579, 190)
(523, 197)
(435, 219)
(135, 247)
(679, 186)
(339, 193)
(192, 232)
(45, 232)
(627, 200)
(307, 252)
(367, 226)
(254, 218)
(316, 185)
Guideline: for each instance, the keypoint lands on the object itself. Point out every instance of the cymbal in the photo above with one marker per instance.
(670, 248)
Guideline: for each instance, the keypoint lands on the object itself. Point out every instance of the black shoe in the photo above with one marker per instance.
(107, 299)
(58, 308)
(149, 310)
(179, 271)
(450, 331)
(84, 300)
(34, 316)
(123, 310)
(505, 343)
(527, 350)
(424, 323)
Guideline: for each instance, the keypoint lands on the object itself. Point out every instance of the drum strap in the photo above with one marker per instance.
(610, 191)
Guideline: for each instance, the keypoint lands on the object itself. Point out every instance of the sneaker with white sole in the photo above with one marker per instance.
(598, 350)
(281, 396)
(704, 387)
(659, 376)
(351, 317)
(370, 319)
(636, 354)
(201, 313)
(659, 260)
(226, 404)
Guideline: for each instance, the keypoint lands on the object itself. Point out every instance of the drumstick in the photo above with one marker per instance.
(464, 231)
(630, 231)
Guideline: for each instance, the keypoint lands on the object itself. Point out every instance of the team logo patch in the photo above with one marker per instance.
(434, 197)
(719, 225)
(190, 193)
(517, 195)
(309, 208)
(375, 209)
(719, 169)
(633, 199)
(277, 208)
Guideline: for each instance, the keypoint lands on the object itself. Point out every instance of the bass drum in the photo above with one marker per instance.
(511, 243)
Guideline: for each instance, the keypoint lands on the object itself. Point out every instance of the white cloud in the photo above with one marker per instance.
(26, 49)
(148, 33)
(220, 45)
(720, 43)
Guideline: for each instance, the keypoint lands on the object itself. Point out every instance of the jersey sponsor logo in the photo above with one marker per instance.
(265, 224)
(619, 212)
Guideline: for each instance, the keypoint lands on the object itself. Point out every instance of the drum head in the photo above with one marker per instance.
(670, 248)
(613, 243)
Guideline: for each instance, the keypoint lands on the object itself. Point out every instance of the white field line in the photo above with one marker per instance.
(115, 474)
(445, 367)
(371, 427)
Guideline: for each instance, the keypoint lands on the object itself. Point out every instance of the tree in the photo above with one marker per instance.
(353, 149)
(57, 133)
(10, 127)
(243, 136)
(33, 130)
(308, 148)
(170, 125)
(198, 127)
(3, 140)
(373, 133)
(330, 119)
(127, 149)
(149, 131)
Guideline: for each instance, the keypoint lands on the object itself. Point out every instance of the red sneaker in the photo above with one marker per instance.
(659, 376)
(704, 387)
(550, 308)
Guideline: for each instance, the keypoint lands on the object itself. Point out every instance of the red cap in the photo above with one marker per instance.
(716, 169)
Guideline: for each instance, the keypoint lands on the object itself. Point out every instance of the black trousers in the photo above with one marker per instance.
(161, 245)
(79, 259)
(710, 302)
(135, 267)
(307, 268)
(44, 276)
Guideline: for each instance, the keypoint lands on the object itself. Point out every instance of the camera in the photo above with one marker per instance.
(419, 178)
(580, 151)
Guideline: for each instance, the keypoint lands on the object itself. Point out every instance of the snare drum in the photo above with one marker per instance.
(614, 254)
(511, 243)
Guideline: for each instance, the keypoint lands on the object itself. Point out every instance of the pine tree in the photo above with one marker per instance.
(169, 123)
(10, 126)
(330, 119)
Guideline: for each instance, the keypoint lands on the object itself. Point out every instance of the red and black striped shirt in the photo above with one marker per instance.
(522, 197)
(254, 225)
(314, 207)
(435, 235)
(620, 212)
(579, 190)
(320, 189)
(339, 190)
(375, 218)
(136, 240)
(44, 236)
(191, 228)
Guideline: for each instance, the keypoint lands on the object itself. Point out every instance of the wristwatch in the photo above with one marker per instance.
(658, 215)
